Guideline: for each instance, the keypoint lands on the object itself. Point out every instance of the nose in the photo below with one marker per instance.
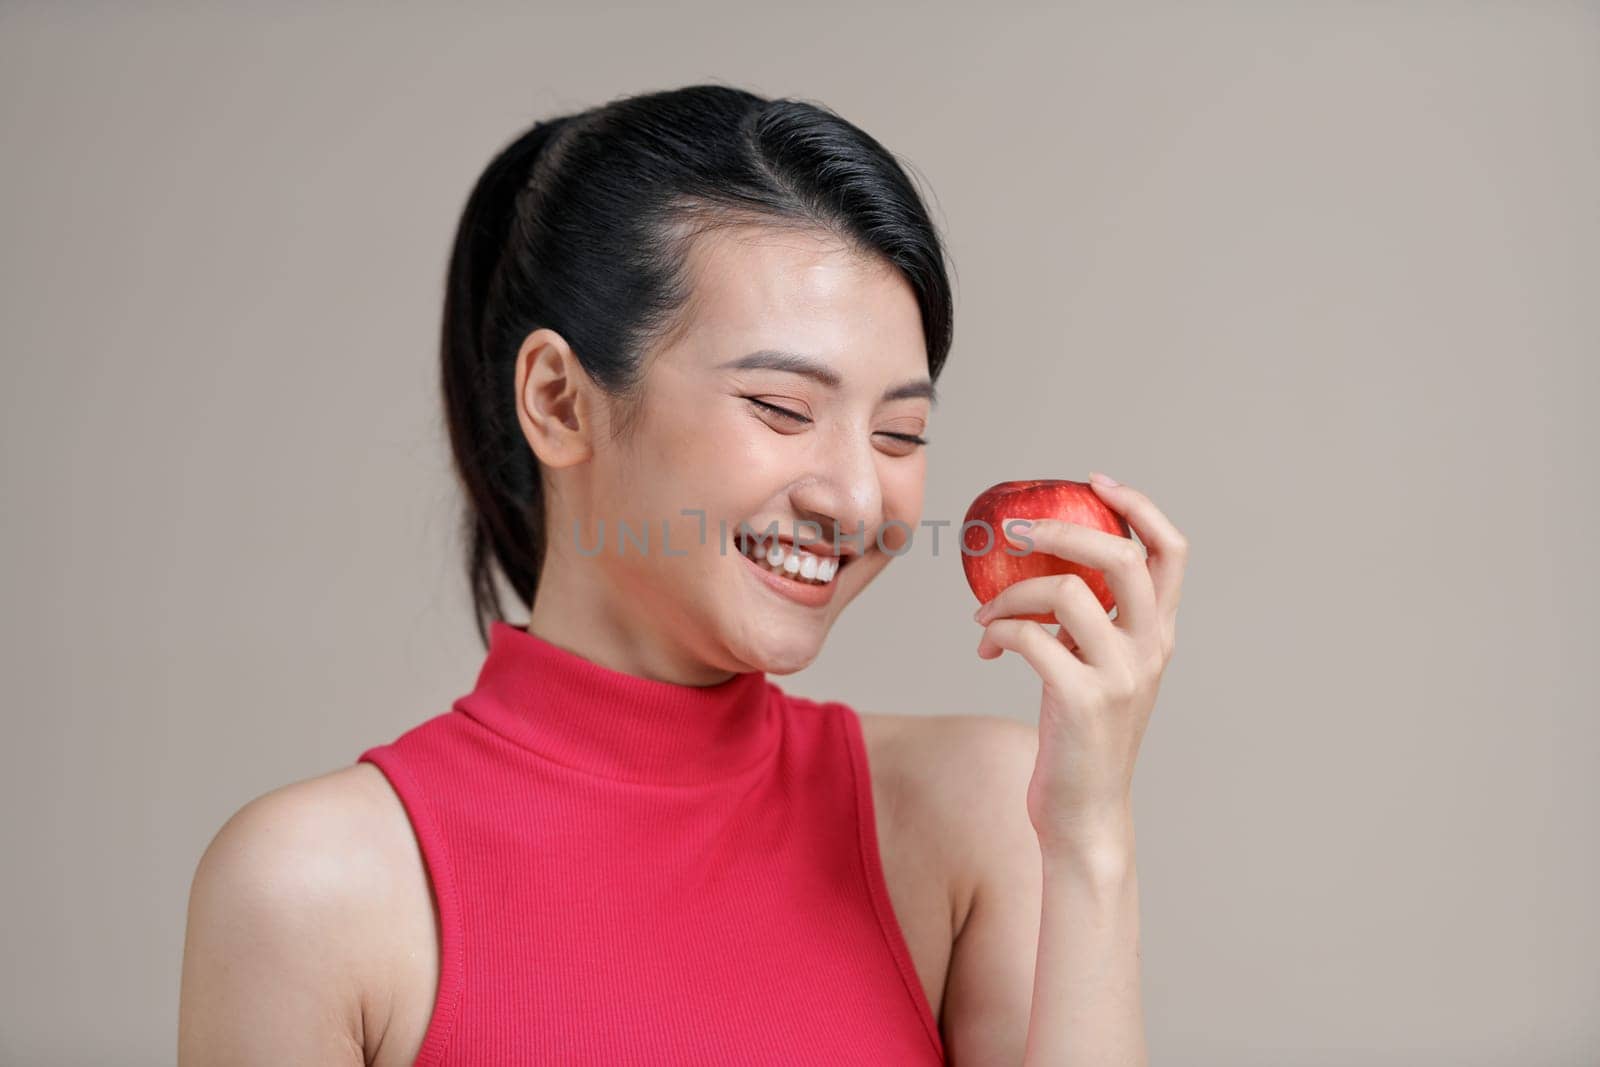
(844, 496)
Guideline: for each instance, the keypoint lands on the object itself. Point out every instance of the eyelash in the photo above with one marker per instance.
(908, 438)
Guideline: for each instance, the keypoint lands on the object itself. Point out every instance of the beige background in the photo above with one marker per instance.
(1322, 279)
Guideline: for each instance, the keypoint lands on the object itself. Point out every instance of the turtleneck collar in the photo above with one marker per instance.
(573, 711)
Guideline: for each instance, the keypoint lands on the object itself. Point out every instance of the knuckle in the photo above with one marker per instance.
(1033, 634)
(1125, 684)
(1156, 663)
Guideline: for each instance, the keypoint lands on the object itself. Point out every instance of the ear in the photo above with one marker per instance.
(555, 400)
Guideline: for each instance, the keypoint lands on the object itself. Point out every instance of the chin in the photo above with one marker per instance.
(777, 652)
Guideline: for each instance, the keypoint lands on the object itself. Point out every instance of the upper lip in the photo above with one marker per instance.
(842, 552)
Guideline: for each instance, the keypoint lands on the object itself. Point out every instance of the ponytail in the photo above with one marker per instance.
(503, 521)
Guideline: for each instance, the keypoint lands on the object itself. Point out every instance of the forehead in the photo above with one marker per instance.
(758, 287)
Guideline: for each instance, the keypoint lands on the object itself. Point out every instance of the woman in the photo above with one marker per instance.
(717, 320)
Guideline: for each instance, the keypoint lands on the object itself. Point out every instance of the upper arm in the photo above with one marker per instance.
(273, 955)
(989, 991)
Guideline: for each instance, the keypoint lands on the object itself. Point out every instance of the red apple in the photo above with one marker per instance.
(992, 563)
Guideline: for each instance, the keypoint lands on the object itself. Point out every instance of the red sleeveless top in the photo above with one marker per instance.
(631, 871)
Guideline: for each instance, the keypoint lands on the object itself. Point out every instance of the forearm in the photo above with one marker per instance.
(1087, 1008)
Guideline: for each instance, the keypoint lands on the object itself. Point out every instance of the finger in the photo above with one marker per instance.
(1167, 547)
(1073, 604)
(1057, 667)
(1119, 558)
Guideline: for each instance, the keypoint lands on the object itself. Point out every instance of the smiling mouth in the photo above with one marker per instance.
(787, 560)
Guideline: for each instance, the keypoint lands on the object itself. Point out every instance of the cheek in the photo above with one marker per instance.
(732, 456)
(712, 464)
(672, 449)
(703, 438)
(903, 488)
(902, 505)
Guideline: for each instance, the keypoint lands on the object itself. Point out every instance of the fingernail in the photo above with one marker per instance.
(1102, 479)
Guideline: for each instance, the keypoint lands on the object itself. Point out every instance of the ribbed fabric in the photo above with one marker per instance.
(631, 871)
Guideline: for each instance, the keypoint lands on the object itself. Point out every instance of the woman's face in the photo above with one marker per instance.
(702, 443)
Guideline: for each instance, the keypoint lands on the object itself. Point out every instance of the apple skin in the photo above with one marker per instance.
(990, 571)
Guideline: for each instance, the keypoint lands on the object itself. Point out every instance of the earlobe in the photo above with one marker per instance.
(552, 400)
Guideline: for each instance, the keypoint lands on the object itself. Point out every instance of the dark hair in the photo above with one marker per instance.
(582, 225)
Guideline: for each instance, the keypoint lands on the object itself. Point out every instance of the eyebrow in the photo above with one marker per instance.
(816, 369)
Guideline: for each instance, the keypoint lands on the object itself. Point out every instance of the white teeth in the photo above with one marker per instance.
(794, 562)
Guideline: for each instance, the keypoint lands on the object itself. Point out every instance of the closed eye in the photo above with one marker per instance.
(776, 410)
(793, 416)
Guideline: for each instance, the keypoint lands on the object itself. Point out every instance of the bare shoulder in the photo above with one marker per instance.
(967, 775)
(951, 742)
(964, 763)
(291, 924)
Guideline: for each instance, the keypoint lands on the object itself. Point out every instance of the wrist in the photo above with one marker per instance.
(1101, 846)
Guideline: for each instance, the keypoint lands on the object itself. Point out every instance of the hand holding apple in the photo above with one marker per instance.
(992, 564)
(1098, 694)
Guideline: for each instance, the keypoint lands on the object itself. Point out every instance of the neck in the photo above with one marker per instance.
(578, 609)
